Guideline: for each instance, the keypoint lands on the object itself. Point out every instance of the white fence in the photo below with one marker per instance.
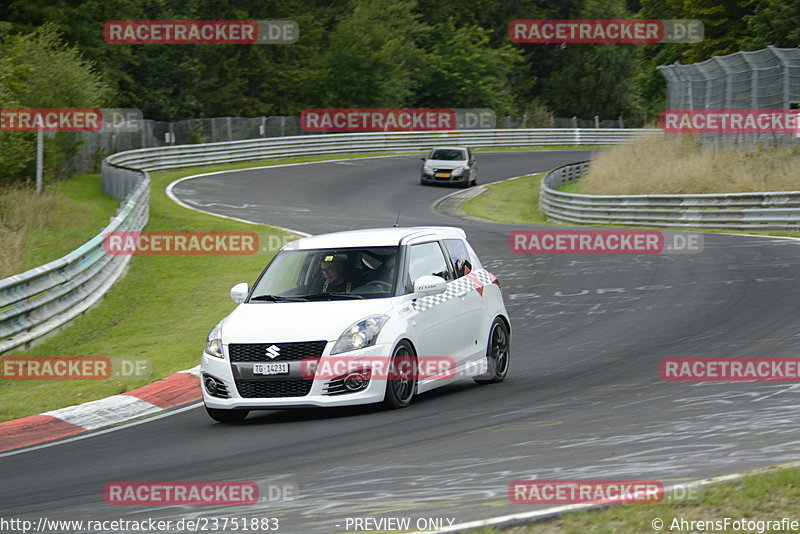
(734, 211)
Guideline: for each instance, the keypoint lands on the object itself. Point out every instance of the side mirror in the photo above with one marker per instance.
(430, 285)
(239, 292)
(423, 159)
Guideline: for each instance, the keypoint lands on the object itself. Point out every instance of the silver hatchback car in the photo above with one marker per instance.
(453, 165)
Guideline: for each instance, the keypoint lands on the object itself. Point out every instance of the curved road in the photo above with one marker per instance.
(583, 398)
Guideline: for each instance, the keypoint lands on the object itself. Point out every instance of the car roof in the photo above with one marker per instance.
(374, 237)
(448, 148)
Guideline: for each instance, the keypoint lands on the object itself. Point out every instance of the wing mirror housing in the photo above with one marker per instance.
(239, 292)
(428, 285)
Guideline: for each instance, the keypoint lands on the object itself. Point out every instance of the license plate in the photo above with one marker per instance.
(443, 175)
(278, 368)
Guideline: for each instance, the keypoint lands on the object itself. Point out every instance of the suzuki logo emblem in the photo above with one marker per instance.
(273, 351)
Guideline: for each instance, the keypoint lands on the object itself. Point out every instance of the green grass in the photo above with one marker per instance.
(161, 309)
(768, 495)
(571, 187)
(35, 229)
(87, 209)
(510, 201)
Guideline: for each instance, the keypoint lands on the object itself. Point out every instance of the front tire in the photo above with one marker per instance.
(497, 353)
(227, 416)
(401, 382)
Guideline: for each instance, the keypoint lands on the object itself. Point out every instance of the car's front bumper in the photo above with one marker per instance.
(222, 371)
(451, 179)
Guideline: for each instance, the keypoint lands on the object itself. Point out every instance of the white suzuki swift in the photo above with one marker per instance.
(358, 317)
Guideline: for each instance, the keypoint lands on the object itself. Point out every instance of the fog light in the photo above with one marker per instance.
(211, 385)
(355, 381)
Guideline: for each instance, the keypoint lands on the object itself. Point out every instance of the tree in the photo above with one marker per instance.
(372, 58)
(463, 70)
(38, 70)
(775, 22)
(725, 32)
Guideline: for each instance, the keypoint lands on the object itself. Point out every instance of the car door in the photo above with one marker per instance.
(439, 329)
(470, 299)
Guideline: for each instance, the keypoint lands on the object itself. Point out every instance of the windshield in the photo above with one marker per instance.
(448, 154)
(328, 274)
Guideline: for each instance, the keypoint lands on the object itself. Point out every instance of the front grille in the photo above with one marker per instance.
(255, 389)
(289, 352)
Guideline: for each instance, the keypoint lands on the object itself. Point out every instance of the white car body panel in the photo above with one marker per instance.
(453, 324)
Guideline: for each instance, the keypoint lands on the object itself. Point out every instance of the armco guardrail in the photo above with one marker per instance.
(40, 300)
(43, 299)
(734, 211)
(312, 145)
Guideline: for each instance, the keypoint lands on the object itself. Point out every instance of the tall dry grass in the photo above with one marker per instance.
(23, 213)
(683, 165)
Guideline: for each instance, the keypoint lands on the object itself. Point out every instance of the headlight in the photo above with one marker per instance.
(361, 334)
(458, 170)
(214, 341)
(427, 169)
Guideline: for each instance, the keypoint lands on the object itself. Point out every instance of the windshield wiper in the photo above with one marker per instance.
(277, 298)
(332, 296)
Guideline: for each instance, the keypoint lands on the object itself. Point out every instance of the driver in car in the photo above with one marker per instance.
(333, 271)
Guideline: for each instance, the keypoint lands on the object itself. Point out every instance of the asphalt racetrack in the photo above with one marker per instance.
(583, 399)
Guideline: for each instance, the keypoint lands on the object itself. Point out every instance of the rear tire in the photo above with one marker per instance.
(498, 350)
(401, 381)
(227, 416)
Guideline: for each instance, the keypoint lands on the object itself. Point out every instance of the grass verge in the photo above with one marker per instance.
(510, 201)
(36, 229)
(765, 496)
(683, 165)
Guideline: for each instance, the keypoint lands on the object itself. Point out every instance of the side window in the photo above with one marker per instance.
(460, 256)
(427, 258)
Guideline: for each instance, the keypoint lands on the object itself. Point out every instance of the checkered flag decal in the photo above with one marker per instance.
(475, 280)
